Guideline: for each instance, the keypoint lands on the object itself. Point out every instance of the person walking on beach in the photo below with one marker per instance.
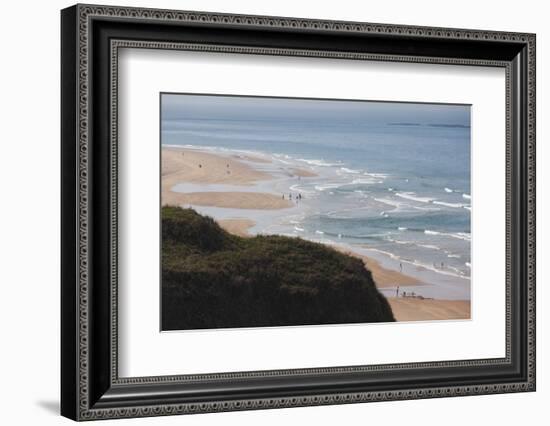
(397, 292)
(283, 196)
(400, 267)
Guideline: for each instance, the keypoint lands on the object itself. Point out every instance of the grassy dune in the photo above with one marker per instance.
(212, 279)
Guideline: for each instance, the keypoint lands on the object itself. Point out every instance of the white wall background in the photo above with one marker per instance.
(29, 211)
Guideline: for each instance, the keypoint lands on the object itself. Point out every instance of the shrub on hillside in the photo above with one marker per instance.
(212, 279)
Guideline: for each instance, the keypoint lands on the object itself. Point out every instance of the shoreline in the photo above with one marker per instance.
(383, 277)
(183, 165)
(404, 308)
(249, 177)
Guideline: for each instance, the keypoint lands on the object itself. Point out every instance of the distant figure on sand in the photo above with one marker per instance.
(290, 196)
(283, 196)
(400, 267)
(397, 292)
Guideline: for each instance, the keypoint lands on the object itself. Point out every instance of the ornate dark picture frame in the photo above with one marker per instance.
(90, 38)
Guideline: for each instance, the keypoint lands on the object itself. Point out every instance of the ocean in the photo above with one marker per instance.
(395, 187)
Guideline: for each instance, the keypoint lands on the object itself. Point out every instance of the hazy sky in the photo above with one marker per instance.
(193, 107)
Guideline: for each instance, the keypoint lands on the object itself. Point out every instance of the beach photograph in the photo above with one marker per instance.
(299, 212)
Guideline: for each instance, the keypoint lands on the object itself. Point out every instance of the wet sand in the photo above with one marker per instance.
(302, 173)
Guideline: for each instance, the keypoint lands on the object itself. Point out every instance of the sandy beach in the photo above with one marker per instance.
(232, 200)
(238, 227)
(413, 309)
(383, 277)
(180, 165)
(186, 165)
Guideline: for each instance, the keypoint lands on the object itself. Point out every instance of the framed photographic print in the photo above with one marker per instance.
(263, 212)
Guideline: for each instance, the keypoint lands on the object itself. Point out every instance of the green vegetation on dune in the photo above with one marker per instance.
(212, 279)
